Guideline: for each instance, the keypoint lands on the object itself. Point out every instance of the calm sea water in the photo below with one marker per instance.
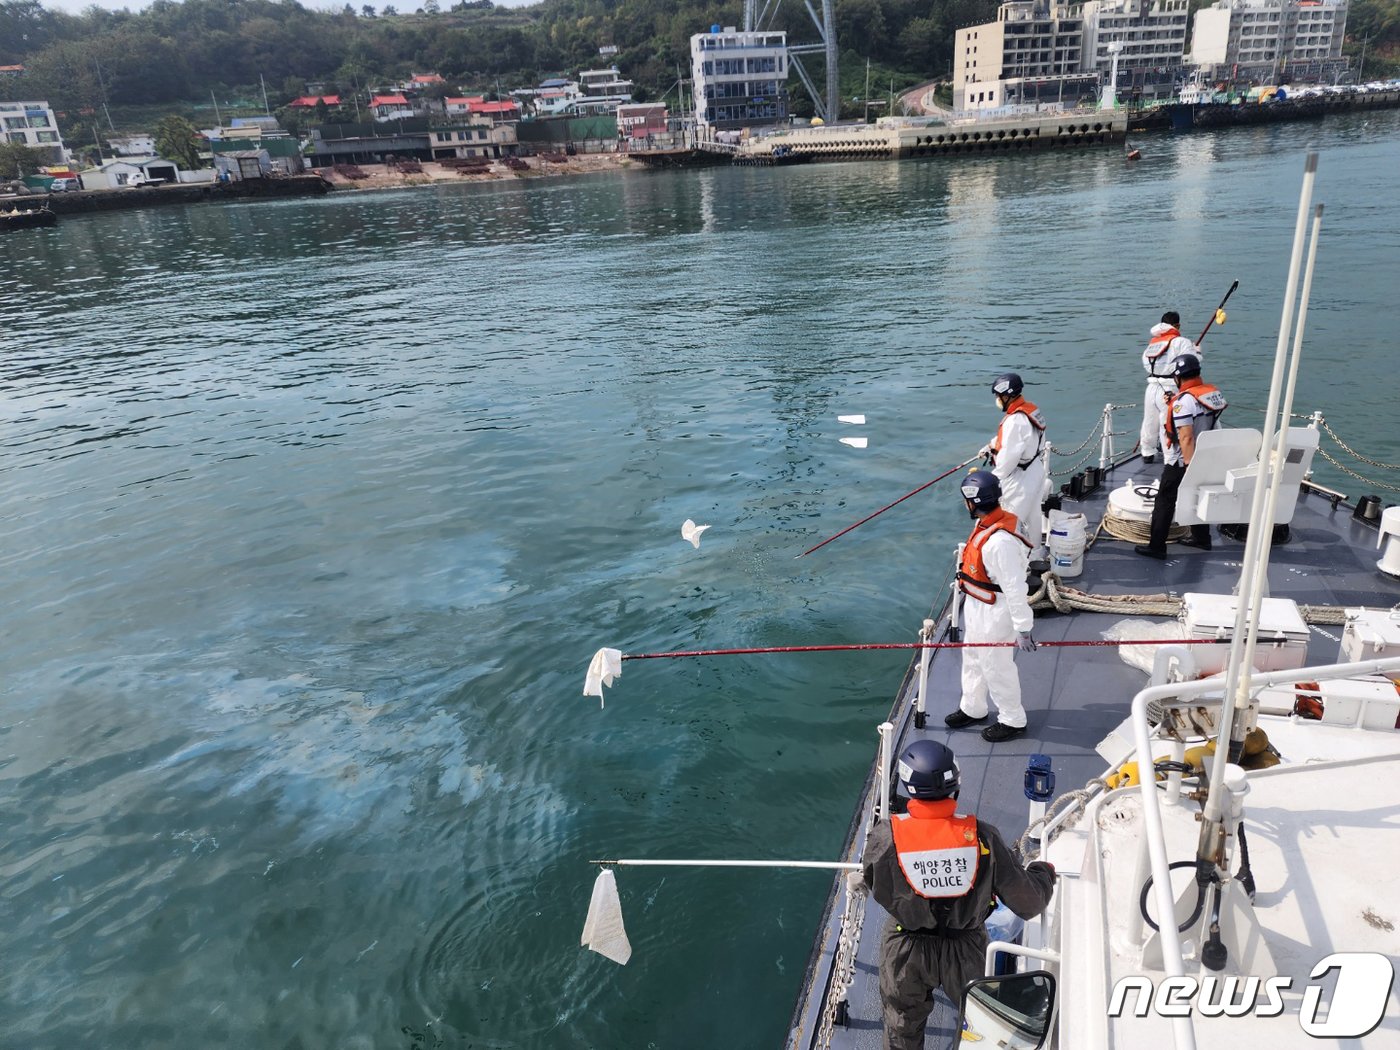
(314, 512)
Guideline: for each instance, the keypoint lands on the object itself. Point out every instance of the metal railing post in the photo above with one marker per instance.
(882, 804)
(925, 656)
(1106, 442)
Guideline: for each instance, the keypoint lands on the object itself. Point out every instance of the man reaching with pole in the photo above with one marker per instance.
(1189, 414)
(992, 582)
(935, 871)
(1165, 346)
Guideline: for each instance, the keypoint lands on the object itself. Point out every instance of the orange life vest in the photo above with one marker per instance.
(972, 573)
(1209, 397)
(937, 848)
(1161, 342)
(1032, 413)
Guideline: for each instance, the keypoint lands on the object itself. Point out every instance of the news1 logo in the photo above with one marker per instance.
(1357, 1005)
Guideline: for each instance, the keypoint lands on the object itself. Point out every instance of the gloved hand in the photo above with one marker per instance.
(855, 881)
(1025, 642)
(985, 453)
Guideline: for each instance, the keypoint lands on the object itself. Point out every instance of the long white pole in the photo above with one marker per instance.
(1210, 819)
(827, 864)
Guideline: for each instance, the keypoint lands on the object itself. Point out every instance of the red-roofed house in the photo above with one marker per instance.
(422, 80)
(507, 112)
(309, 101)
(390, 107)
(460, 107)
(11, 71)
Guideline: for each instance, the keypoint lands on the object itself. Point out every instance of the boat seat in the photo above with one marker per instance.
(1218, 487)
(1208, 495)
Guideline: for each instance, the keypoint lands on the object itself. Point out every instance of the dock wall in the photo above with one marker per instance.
(84, 202)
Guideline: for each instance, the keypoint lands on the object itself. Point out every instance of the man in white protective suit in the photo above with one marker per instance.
(1018, 456)
(992, 579)
(1163, 348)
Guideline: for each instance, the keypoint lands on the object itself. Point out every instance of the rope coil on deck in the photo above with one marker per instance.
(1134, 531)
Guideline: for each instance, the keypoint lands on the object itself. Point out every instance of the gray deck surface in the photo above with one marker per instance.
(1075, 697)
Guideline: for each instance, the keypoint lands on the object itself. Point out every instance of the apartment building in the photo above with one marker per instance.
(1265, 39)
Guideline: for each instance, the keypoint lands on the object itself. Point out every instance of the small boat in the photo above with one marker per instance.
(20, 214)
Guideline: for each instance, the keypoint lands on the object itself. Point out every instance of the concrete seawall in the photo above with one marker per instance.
(87, 201)
(1004, 134)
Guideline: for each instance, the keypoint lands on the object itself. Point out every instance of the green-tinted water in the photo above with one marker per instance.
(314, 513)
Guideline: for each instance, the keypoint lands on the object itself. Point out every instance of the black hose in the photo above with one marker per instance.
(1245, 874)
(1195, 913)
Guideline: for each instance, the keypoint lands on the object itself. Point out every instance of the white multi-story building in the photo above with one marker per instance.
(1153, 38)
(605, 83)
(1247, 38)
(740, 79)
(1038, 51)
(32, 124)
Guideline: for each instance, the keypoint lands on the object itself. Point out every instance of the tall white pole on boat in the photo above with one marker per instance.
(1237, 674)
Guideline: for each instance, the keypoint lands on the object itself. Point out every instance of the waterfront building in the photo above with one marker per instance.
(32, 124)
(1031, 53)
(1270, 41)
(1152, 37)
(472, 140)
(640, 119)
(740, 79)
(1038, 52)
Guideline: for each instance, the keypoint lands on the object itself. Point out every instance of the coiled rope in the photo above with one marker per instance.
(1079, 797)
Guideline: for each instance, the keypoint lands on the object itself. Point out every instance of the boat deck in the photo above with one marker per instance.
(1075, 697)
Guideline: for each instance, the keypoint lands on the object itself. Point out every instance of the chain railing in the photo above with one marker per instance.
(1364, 459)
(1083, 445)
(843, 963)
(1359, 477)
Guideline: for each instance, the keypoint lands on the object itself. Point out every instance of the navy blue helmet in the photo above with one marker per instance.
(928, 770)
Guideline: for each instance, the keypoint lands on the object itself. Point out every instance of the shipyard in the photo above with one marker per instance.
(861, 524)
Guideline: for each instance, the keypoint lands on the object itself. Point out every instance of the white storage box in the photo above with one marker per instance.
(1342, 700)
(1213, 616)
(1370, 634)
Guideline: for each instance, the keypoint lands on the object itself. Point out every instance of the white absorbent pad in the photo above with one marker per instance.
(602, 669)
(602, 930)
(1141, 628)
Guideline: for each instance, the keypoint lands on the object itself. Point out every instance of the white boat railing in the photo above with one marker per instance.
(1184, 1037)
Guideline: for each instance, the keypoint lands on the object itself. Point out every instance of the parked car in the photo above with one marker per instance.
(64, 186)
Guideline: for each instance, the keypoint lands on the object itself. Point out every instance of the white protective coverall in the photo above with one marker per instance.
(1022, 491)
(1007, 561)
(1160, 384)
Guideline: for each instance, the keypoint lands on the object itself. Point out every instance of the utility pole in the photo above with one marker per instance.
(217, 118)
(266, 108)
(867, 90)
(1361, 69)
